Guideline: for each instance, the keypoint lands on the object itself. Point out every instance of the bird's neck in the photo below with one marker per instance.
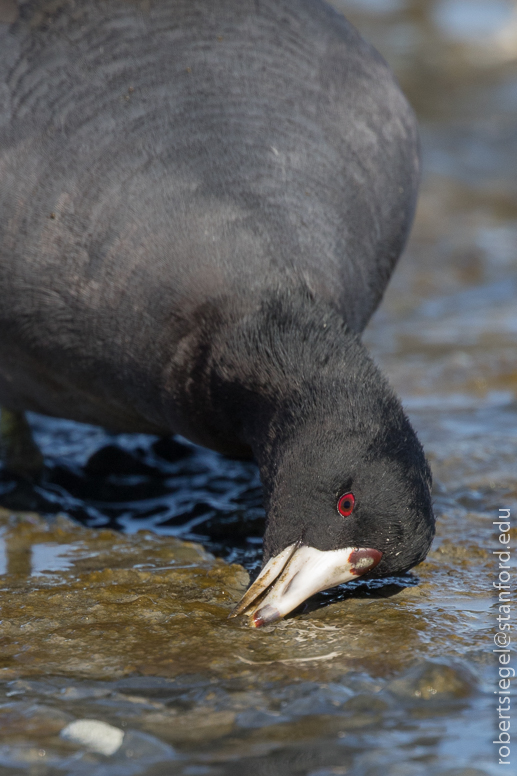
(257, 377)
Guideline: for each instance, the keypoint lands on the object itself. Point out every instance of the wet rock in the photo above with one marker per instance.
(19, 721)
(29, 759)
(30, 687)
(238, 700)
(362, 683)
(299, 730)
(362, 711)
(100, 605)
(147, 749)
(253, 718)
(128, 751)
(171, 450)
(199, 725)
(312, 698)
(435, 681)
(364, 703)
(94, 735)
(81, 693)
(115, 460)
(120, 603)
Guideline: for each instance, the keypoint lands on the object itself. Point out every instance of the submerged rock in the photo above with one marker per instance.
(435, 681)
(98, 604)
(95, 735)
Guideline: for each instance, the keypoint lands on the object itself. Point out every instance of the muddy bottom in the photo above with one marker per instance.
(118, 569)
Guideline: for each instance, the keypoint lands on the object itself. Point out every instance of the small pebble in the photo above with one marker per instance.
(97, 736)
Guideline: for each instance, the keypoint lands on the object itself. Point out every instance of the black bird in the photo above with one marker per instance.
(201, 203)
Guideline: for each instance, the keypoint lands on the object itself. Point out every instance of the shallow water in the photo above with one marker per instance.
(131, 628)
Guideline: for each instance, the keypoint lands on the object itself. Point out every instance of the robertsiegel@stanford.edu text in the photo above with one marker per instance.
(502, 638)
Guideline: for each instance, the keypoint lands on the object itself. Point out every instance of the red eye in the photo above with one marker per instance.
(345, 505)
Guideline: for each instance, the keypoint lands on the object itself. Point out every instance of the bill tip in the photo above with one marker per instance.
(265, 616)
(362, 560)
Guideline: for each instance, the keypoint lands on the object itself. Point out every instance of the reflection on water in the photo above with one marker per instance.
(28, 559)
(390, 680)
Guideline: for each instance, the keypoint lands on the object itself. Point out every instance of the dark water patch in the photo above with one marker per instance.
(166, 485)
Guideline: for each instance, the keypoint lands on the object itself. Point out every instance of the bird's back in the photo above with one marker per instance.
(155, 156)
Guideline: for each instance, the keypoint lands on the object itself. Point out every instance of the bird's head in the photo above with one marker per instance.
(347, 495)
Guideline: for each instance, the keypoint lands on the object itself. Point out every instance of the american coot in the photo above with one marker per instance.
(201, 204)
